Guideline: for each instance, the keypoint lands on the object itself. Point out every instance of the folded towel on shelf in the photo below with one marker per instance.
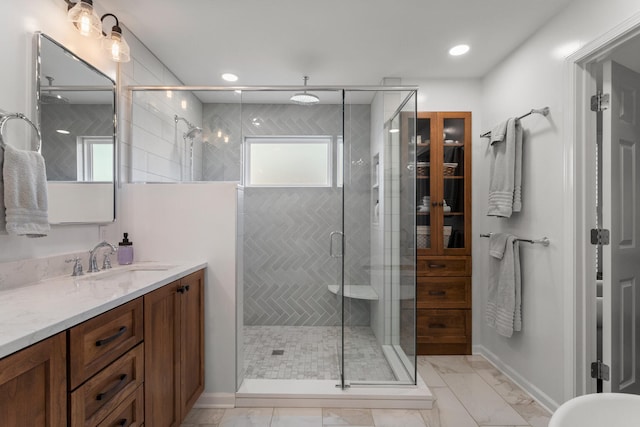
(504, 297)
(25, 193)
(505, 186)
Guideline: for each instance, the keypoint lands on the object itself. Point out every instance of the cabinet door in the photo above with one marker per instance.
(192, 343)
(162, 356)
(33, 385)
(454, 182)
(426, 173)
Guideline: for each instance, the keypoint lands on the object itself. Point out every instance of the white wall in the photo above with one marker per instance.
(18, 22)
(174, 222)
(539, 357)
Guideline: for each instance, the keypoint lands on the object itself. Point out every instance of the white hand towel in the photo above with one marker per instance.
(505, 300)
(506, 169)
(25, 193)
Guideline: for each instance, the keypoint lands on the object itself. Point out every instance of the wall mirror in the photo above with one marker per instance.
(76, 113)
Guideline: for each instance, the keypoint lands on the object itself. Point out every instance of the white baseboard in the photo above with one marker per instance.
(542, 398)
(216, 400)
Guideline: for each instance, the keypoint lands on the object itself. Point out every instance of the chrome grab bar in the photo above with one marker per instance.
(333, 233)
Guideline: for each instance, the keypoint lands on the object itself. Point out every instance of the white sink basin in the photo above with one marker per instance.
(597, 410)
(119, 273)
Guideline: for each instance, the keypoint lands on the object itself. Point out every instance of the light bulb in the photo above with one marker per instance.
(85, 25)
(226, 138)
(219, 133)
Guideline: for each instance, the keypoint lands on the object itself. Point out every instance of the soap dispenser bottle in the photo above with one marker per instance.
(125, 251)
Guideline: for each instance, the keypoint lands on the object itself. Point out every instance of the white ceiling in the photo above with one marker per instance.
(335, 42)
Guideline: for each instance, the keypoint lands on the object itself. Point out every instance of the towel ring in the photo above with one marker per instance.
(8, 116)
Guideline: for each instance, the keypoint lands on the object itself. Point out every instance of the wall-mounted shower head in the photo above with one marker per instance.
(193, 130)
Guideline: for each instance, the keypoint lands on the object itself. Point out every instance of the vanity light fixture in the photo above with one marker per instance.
(115, 43)
(458, 50)
(84, 17)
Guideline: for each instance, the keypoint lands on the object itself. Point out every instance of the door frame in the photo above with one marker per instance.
(580, 127)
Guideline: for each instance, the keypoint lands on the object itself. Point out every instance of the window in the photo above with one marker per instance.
(95, 158)
(291, 161)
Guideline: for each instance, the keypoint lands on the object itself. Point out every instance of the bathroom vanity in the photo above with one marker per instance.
(119, 347)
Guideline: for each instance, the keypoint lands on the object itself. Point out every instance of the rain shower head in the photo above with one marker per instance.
(47, 97)
(304, 98)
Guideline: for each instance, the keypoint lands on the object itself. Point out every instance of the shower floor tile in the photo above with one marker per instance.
(310, 352)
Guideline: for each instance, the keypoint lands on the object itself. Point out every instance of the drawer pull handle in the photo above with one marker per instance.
(112, 390)
(437, 325)
(437, 266)
(122, 422)
(182, 289)
(106, 341)
(437, 293)
(187, 288)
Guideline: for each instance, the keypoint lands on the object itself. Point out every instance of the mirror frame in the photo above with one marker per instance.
(37, 41)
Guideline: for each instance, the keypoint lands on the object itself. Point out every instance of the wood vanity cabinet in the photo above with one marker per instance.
(443, 229)
(174, 350)
(106, 367)
(33, 385)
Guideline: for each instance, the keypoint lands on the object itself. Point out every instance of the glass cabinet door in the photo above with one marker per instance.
(425, 124)
(455, 198)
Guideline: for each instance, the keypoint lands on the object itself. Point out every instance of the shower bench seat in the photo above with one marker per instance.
(356, 291)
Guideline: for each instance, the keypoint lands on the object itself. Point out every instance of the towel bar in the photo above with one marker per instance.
(544, 111)
(543, 241)
(5, 117)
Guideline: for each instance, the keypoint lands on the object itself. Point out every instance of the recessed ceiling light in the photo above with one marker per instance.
(230, 77)
(458, 50)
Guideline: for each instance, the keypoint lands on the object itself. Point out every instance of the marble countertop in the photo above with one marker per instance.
(32, 313)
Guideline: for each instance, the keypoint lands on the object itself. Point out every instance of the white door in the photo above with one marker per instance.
(621, 214)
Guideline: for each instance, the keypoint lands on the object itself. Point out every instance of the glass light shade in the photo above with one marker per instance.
(304, 98)
(85, 18)
(117, 47)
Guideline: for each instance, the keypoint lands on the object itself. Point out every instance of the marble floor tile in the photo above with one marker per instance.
(429, 373)
(450, 364)
(247, 417)
(297, 417)
(397, 418)
(346, 417)
(510, 392)
(205, 416)
(447, 411)
(484, 404)
(535, 414)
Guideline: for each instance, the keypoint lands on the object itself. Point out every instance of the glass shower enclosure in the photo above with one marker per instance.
(326, 231)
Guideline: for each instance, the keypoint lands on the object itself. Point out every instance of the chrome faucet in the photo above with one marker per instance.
(93, 263)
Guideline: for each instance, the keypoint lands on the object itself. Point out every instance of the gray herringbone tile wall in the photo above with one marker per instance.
(287, 267)
(60, 151)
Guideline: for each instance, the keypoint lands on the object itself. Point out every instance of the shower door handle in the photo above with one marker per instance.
(333, 233)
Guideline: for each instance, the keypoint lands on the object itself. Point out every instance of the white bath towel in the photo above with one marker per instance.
(505, 186)
(25, 193)
(504, 300)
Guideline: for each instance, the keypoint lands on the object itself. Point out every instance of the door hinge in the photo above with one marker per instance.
(600, 371)
(599, 236)
(599, 102)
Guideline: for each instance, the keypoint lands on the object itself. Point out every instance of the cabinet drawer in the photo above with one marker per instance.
(444, 266)
(99, 341)
(130, 413)
(443, 292)
(444, 326)
(102, 393)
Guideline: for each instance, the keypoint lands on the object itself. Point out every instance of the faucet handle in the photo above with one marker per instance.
(106, 261)
(77, 267)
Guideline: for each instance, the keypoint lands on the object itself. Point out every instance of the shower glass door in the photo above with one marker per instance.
(378, 222)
